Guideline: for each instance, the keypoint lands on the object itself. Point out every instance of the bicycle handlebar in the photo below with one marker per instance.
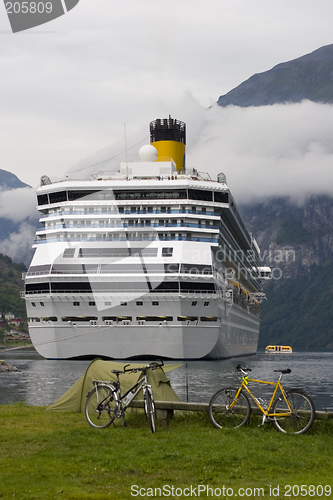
(245, 370)
(151, 366)
(240, 369)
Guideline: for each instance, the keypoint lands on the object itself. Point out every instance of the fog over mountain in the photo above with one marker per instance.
(18, 217)
(273, 133)
(278, 150)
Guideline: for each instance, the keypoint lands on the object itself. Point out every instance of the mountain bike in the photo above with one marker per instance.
(105, 402)
(291, 410)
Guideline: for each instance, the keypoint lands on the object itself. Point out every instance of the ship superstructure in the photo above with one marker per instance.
(150, 261)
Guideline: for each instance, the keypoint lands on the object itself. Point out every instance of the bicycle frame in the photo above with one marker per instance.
(266, 413)
(142, 383)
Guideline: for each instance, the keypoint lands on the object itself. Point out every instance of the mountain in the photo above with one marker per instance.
(10, 181)
(307, 77)
(297, 243)
(292, 238)
(298, 312)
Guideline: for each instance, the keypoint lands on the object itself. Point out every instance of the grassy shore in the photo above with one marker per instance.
(54, 455)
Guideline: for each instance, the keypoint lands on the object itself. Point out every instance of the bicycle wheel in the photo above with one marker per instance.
(301, 417)
(101, 407)
(220, 413)
(150, 409)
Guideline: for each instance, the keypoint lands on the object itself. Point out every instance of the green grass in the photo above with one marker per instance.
(54, 455)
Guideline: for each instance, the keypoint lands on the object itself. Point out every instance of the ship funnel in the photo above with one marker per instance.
(168, 136)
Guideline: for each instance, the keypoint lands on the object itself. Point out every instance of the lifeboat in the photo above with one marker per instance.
(278, 349)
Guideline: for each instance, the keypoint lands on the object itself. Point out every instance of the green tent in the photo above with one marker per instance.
(75, 398)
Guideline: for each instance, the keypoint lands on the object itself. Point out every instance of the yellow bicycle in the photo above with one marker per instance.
(291, 410)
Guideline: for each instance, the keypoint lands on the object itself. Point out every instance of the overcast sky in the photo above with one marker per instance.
(68, 87)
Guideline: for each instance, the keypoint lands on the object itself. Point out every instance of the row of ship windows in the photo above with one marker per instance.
(142, 194)
(115, 210)
(109, 320)
(138, 303)
(113, 286)
(123, 251)
(74, 224)
(165, 210)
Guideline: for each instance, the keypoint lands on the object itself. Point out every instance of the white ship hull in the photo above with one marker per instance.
(237, 335)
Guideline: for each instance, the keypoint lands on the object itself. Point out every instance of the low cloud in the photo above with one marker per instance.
(18, 204)
(283, 150)
(186, 109)
(18, 244)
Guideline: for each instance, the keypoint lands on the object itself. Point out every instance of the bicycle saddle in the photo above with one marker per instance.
(117, 372)
(286, 370)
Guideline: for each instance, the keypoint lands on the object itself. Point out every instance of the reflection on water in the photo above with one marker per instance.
(41, 382)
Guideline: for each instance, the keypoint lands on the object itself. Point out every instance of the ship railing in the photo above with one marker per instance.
(193, 173)
(122, 271)
(35, 273)
(23, 294)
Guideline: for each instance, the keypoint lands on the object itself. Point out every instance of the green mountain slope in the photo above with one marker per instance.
(10, 286)
(297, 243)
(299, 312)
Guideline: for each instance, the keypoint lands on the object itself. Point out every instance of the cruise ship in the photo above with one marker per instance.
(151, 261)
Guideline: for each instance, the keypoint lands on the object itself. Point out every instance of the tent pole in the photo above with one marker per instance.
(186, 378)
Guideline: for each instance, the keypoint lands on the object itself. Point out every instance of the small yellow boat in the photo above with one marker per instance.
(278, 349)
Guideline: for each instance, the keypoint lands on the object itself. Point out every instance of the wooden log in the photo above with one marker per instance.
(179, 405)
